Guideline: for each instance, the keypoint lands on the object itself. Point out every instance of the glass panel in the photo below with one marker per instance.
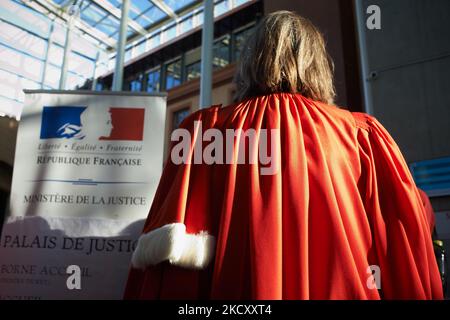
(179, 116)
(127, 55)
(85, 47)
(20, 64)
(170, 33)
(92, 14)
(239, 2)
(8, 84)
(153, 80)
(22, 40)
(74, 81)
(186, 25)
(109, 25)
(52, 75)
(177, 4)
(151, 16)
(155, 41)
(199, 18)
(137, 7)
(102, 68)
(193, 70)
(136, 84)
(80, 65)
(173, 74)
(30, 16)
(116, 3)
(33, 67)
(55, 55)
(221, 52)
(239, 41)
(139, 49)
(220, 8)
(111, 63)
(98, 86)
(59, 34)
(192, 56)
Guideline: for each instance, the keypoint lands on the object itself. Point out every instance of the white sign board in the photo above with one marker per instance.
(86, 168)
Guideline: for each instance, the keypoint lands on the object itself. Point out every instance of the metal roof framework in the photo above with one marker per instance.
(100, 19)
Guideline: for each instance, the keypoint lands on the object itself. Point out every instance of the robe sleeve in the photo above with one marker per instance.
(182, 197)
(401, 240)
(428, 209)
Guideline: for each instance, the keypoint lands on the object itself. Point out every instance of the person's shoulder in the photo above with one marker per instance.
(366, 121)
(356, 120)
(339, 116)
(362, 120)
(203, 115)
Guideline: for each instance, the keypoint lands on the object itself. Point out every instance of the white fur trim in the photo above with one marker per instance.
(172, 243)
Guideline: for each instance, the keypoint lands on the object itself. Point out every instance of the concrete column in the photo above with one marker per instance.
(120, 54)
(363, 57)
(67, 50)
(47, 51)
(207, 54)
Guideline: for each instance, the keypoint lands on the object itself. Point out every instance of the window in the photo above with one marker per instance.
(198, 19)
(239, 41)
(186, 25)
(221, 7)
(136, 84)
(139, 49)
(154, 41)
(192, 64)
(193, 71)
(99, 86)
(239, 2)
(80, 65)
(179, 116)
(170, 33)
(55, 55)
(221, 52)
(127, 54)
(173, 74)
(153, 80)
(52, 75)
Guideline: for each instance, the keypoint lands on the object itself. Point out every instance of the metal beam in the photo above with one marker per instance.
(105, 5)
(47, 51)
(67, 51)
(14, 19)
(94, 72)
(120, 55)
(82, 26)
(195, 5)
(164, 8)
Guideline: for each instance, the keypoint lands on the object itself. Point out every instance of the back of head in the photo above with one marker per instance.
(286, 53)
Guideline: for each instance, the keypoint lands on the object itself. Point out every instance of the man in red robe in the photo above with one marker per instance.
(339, 204)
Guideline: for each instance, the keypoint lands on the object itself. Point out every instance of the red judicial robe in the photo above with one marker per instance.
(428, 209)
(342, 200)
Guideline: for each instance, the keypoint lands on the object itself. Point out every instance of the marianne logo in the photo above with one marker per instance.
(92, 123)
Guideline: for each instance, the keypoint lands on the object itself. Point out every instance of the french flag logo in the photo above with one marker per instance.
(92, 123)
(127, 124)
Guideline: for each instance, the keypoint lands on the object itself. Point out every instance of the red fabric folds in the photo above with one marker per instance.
(342, 200)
